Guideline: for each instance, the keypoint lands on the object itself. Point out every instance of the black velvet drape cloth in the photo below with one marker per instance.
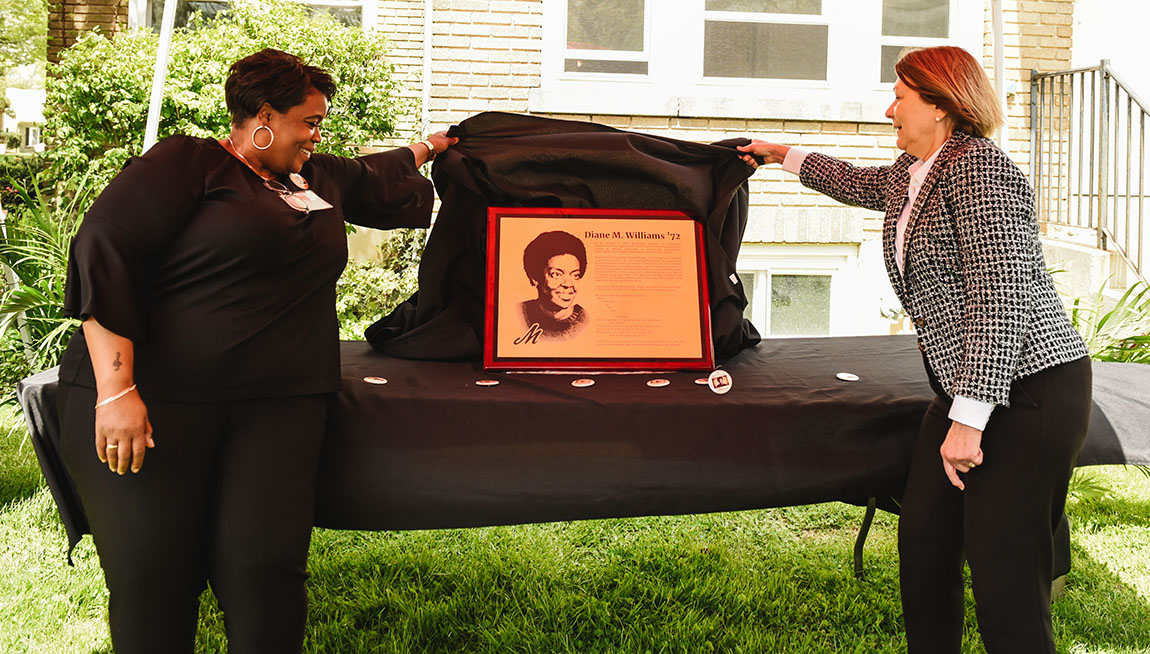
(509, 160)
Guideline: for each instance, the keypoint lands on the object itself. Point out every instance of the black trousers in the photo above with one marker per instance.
(227, 496)
(1003, 523)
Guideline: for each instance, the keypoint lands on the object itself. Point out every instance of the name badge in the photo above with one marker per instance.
(307, 198)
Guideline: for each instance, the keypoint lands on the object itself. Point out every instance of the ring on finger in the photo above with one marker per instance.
(112, 446)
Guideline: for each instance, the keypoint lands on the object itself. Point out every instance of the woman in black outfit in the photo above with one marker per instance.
(205, 275)
(995, 452)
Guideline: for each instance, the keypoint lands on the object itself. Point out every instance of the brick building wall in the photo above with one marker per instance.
(487, 55)
(67, 19)
(402, 21)
(1037, 35)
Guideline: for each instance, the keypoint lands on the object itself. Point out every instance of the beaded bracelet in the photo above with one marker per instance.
(109, 400)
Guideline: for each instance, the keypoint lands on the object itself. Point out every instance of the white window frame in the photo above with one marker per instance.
(138, 11)
(31, 136)
(836, 261)
(675, 86)
(613, 55)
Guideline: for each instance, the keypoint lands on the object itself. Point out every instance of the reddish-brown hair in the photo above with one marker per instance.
(953, 80)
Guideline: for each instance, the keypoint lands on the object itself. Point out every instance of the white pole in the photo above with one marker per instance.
(425, 111)
(160, 73)
(425, 108)
(1000, 70)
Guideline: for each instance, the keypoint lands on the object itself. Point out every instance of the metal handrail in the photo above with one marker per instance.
(1088, 139)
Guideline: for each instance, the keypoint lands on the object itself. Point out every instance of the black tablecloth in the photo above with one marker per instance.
(510, 160)
(431, 449)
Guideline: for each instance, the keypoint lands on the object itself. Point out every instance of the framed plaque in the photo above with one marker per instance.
(596, 289)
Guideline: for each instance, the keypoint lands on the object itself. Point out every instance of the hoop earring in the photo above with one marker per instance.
(270, 133)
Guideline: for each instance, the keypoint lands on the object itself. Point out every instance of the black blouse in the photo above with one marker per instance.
(226, 291)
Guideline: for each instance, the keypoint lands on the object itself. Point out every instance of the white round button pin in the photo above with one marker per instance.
(720, 381)
(583, 383)
(486, 382)
(847, 376)
(656, 383)
(375, 380)
(702, 381)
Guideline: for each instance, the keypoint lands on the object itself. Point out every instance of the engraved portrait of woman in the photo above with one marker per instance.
(555, 262)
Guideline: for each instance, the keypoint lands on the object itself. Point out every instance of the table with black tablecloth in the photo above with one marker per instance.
(432, 449)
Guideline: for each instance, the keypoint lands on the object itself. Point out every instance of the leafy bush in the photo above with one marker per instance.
(23, 33)
(11, 140)
(98, 93)
(17, 171)
(1113, 331)
(1118, 331)
(97, 101)
(34, 250)
(367, 291)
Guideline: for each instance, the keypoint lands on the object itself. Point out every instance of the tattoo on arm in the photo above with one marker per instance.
(116, 364)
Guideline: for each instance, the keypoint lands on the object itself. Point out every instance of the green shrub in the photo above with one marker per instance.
(98, 93)
(1115, 331)
(18, 171)
(13, 365)
(34, 250)
(367, 291)
(95, 112)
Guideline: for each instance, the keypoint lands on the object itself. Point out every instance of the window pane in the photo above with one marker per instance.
(890, 54)
(768, 6)
(184, 11)
(800, 305)
(604, 66)
(605, 25)
(765, 50)
(349, 16)
(929, 18)
(747, 279)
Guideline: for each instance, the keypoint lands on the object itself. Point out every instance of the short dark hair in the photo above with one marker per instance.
(275, 77)
(551, 244)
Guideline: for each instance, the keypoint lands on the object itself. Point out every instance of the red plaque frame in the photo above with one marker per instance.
(637, 298)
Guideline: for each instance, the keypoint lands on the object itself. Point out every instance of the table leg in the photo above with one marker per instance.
(868, 517)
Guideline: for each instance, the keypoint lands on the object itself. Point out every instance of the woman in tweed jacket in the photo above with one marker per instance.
(996, 449)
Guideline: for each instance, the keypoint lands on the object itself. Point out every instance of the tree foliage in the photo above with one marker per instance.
(34, 253)
(369, 290)
(23, 38)
(98, 93)
(23, 32)
(96, 109)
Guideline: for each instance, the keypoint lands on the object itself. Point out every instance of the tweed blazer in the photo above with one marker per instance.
(974, 280)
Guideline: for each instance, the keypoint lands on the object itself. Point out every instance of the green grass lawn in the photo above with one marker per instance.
(777, 580)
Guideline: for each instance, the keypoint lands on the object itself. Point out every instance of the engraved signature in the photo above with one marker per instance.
(531, 336)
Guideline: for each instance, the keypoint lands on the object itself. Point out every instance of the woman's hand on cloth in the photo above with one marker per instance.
(434, 144)
(961, 452)
(772, 153)
(442, 141)
(123, 433)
